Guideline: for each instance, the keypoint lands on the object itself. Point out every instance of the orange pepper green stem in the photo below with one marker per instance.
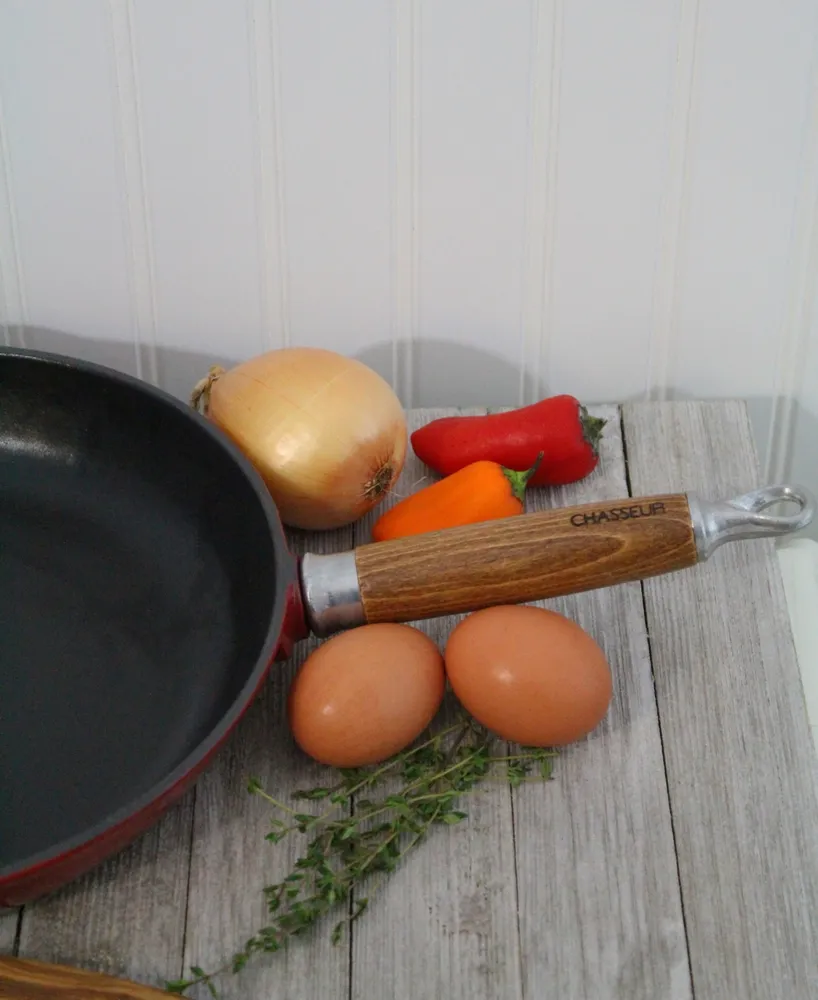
(482, 491)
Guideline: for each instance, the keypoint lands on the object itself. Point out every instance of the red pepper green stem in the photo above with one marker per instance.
(519, 480)
(591, 428)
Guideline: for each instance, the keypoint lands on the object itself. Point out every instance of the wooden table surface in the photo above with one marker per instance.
(673, 855)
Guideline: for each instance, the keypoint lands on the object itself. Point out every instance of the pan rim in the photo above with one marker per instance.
(161, 791)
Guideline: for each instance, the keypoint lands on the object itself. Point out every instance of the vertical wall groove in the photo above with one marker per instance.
(675, 205)
(405, 131)
(134, 190)
(803, 290)
(13, 306)
(265, 85)
(541, 195)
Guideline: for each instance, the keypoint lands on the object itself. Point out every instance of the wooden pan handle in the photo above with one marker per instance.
(22, 979)
(525, 558)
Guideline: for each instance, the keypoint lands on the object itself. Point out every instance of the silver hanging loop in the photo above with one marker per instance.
(715, 523)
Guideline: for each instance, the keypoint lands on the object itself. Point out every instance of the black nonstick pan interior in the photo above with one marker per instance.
(141, 576)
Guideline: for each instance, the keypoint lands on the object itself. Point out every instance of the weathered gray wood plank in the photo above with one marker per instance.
(231, 861)
(444, 924)
(127, 917)
(600, 908)
(8, 931)
(740, 764)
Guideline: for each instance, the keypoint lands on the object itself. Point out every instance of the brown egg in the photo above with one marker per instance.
(366, 694)
(531, 676)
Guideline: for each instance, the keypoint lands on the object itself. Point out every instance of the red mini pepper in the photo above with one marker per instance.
(560, 427)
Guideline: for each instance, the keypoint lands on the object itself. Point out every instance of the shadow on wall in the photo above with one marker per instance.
(178, 370)
(444, 374)
(450, 374)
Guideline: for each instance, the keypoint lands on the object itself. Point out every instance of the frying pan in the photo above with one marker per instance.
(146, 587)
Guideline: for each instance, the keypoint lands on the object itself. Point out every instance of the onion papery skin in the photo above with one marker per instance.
(327, 434)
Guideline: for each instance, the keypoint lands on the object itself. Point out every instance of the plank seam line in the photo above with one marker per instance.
(18, 932)
(517, 891)
(661, 731)
(183, 956)
(350, 911)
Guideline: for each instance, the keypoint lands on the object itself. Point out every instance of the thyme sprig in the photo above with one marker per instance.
(357, 836)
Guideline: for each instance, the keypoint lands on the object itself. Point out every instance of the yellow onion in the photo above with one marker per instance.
(327, 433)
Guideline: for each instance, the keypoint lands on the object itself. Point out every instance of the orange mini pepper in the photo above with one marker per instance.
(482, 491)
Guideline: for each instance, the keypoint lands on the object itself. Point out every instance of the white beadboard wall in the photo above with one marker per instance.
(486, 200)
